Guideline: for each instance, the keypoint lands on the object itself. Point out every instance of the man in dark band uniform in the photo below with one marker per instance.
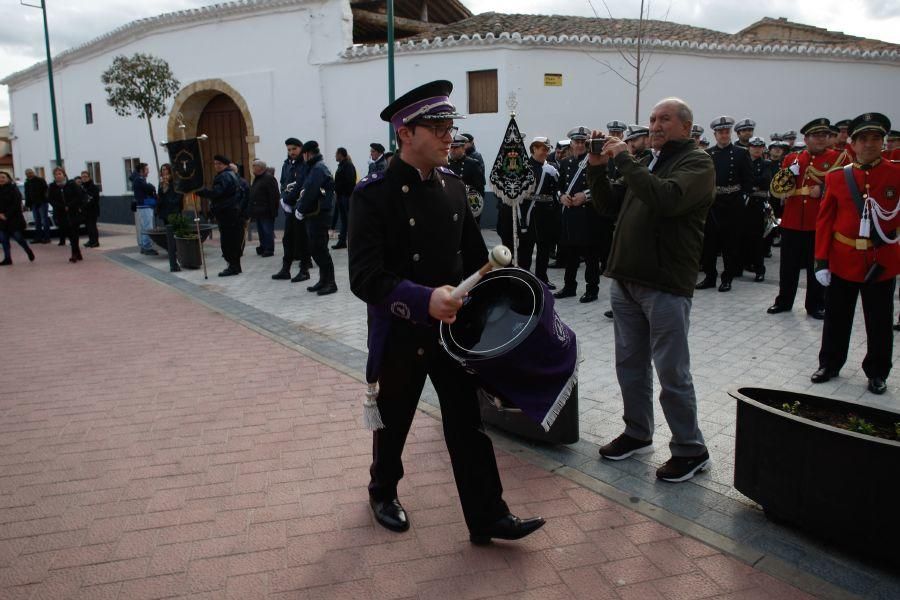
(412, 236)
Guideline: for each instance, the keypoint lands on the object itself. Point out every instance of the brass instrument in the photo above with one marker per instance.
(783, 183)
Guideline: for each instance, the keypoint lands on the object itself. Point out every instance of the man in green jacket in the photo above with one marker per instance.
(654, 260)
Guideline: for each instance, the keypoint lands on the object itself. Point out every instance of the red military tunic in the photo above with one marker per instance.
(893, 155)
(800, 209)
(839, 218)
(846, 155)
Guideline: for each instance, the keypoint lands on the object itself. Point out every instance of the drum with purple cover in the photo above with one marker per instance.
(525, 358)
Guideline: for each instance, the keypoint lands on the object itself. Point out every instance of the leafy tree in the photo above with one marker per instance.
(140, 85)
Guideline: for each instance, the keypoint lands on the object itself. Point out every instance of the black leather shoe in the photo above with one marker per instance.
(588, 297)
(566, 292)
(259, 250)
(509, 527)
(328, 288)
(390, 514)
(877, 385)
(775, 309)
(608, 314)
(315, 288)
(817, 314)
(759, 277)
(725, 285)
(229, 272)
(267, 254)
(339, 246)
(284, 273)
(822, 375)
(706, 284)
(301, 276)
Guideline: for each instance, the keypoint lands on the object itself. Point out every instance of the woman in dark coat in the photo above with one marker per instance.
(91, 209)
(12, 221)
(168, 201)
(67, 199)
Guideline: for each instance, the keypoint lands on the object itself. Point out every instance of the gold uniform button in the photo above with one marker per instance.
(421, 351)
(405, 189)
(416, 258)
(412, 222)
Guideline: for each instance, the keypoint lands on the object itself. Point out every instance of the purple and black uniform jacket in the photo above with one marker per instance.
(407, 237)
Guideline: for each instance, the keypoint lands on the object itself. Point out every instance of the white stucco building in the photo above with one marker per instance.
(254, 72)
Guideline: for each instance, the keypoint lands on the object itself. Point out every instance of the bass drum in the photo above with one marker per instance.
(509, 336)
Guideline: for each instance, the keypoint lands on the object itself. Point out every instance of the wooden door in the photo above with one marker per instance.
(223, 122)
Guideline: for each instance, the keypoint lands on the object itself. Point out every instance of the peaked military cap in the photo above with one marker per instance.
(756, 141)
(779, 143)
(843, 124)
(636, 131)
(893, 134)
(818, 125)
(429, 102)
(540, 140)
(703, 141)
(377, 147)
(469, 136)
(563, 143)
(579, 134)
(745, 124)
(616, 126)
(834, 129)
(775, 137)
(789, 134)
(458, 140)
(292, 141)
(722, 123)
(870, 122)
(696, 130)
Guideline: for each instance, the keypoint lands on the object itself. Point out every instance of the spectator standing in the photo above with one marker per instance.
(264, 197)
(91, 209)
(169, 201)
(36, 201)
(314, 203)
(344, 182)
(294, 241)
(378, 162)
(67, 199)
(225, 208)
(12, 221)
(145, 201)
(664, 208)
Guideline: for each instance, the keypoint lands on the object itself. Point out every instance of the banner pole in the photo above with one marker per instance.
(199, 238)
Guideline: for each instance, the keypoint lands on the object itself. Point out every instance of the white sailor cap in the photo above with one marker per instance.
(722, 123)
(745, 124)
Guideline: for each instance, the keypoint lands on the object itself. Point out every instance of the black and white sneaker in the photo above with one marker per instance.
(624, 446)
(682, 468)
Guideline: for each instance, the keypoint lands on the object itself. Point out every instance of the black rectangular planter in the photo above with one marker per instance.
(836, 484)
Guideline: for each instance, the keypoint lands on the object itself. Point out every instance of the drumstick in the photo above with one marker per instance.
(500, 256)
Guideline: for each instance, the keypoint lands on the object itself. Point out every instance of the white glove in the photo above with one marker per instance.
(285, 207)
(795, 169)
(298, 215)
(823, 276)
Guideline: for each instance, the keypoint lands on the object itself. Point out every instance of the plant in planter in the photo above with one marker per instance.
(827, 466)
(187, 244)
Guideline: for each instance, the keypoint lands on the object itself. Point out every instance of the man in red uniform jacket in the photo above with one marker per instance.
(798, 221)
(857, 253)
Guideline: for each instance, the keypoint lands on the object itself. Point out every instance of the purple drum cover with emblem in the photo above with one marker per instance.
(509, 335)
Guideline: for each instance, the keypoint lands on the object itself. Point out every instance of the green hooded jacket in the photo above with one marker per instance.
(659, 232)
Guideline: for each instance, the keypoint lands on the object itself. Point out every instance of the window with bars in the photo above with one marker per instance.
(130, 165)
(483, 91)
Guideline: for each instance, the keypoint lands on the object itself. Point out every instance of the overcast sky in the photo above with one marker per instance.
(72, 23)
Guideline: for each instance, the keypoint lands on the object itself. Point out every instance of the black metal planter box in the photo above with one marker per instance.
(188, 252)
(836, 484)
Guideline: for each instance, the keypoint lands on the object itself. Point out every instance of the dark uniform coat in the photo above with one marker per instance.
(11, 208)
(470, 171)
(580, 224)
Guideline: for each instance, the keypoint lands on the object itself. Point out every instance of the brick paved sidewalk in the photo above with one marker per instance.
(151, 448)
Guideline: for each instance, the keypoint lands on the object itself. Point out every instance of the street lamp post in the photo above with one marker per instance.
(390, 43)
(43, 8)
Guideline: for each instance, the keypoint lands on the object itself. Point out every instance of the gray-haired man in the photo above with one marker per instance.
(653, 262)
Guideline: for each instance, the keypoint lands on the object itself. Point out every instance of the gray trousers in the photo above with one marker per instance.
(653, 325)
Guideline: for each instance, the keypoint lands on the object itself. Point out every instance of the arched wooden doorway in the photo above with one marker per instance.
(224, 123)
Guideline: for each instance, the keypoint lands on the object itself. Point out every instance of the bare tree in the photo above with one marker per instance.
(141, 85)
(637, 60)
